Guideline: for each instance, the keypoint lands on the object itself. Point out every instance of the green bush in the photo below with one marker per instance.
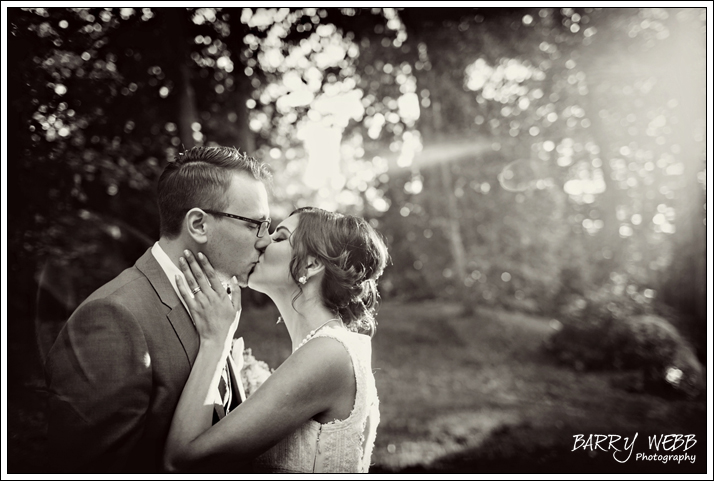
(587, 338)
(610, 332)
(667, 361)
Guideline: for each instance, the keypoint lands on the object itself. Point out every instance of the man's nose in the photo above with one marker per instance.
(263, 242)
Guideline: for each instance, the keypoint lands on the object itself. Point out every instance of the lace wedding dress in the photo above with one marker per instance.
(340, 446)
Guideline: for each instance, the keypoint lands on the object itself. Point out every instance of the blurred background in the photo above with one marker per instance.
(539, 175)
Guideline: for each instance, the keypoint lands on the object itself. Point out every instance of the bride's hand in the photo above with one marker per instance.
(214, 312)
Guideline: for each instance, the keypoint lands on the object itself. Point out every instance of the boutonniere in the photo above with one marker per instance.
(253, 372)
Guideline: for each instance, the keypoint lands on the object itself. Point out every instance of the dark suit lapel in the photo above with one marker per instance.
(177, 316)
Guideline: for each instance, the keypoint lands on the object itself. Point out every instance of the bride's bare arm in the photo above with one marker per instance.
(306, 384)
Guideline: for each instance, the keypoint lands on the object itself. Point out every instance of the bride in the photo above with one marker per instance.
(318, 412)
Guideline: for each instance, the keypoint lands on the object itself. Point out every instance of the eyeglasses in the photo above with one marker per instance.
(263, 225)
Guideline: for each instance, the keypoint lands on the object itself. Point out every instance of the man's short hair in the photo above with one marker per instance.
(200, 177)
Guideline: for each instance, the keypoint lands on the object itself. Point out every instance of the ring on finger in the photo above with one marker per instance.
(196, 290)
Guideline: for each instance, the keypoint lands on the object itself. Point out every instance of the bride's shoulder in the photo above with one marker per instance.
(332, 344)
(326, 358)
(351, 341)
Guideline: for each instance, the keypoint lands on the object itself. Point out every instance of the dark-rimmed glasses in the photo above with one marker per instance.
(263, 225)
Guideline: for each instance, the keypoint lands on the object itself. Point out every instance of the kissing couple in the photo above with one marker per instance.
(141, 379)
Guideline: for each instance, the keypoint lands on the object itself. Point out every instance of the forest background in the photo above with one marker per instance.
(539, 175)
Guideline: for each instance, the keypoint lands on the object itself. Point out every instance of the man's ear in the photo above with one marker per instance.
(196, 225)
(313, 267)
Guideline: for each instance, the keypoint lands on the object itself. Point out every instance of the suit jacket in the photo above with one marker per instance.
(116, 372)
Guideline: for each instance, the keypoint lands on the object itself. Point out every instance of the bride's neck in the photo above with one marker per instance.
(303, 315)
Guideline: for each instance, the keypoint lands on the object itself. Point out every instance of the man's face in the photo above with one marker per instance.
(232, 246)
(273, 271)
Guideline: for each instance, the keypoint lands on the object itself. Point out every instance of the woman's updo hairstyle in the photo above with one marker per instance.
(354, 256)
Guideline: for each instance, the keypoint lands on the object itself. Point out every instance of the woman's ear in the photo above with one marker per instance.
(313, 267)
(196, 225)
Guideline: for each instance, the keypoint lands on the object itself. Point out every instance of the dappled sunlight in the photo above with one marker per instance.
(584, 188)
(532, 170)
(504, 82)
(322, 145)
(316, 108)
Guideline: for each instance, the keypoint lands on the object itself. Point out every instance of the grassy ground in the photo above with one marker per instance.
(458, 395)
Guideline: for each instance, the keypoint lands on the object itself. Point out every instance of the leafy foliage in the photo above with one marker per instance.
(516, 157)
(603, 332)
(589, 335)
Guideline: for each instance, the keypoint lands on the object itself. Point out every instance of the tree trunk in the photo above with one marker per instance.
(604, 66)
(177, 32)
(453, 229)
(188, 114)
(612, 253)
(244, 138)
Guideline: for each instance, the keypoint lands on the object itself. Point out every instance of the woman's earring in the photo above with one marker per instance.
(303, 280)
(280, 319)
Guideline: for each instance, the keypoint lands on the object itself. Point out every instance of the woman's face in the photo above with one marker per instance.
(272, 272)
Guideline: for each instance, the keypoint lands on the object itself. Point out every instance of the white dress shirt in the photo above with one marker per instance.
(171, 272)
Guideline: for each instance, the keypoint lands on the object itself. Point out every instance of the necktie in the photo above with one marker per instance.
(225, 394)
(224, 385)
(228, 398)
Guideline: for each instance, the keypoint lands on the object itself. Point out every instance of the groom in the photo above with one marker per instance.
(117, 368)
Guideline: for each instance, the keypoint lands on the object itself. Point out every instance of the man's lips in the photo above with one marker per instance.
(253, 267)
